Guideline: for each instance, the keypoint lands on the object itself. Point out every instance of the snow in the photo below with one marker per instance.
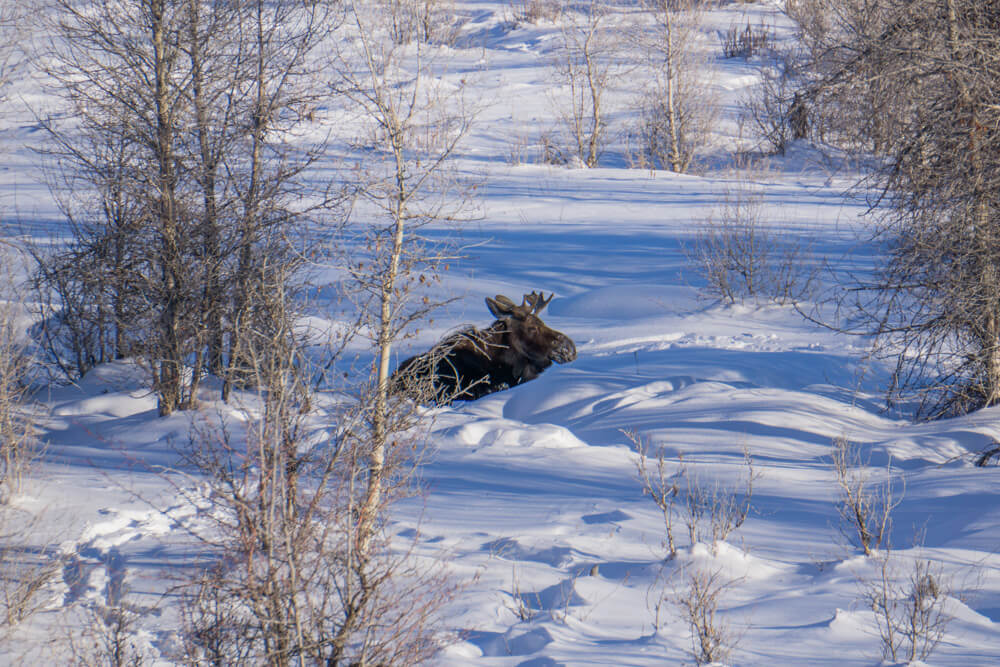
(531, 493)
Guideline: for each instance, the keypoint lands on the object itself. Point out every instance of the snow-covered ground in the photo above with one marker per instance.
(532, 494)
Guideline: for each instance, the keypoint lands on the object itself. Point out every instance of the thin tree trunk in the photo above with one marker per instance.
(170, 375)
(208, 174)
(594, 87)
(242, 316)
(676, 159)
(380, 427)
(989, 285)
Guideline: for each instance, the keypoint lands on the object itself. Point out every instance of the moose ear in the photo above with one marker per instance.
(500, 307)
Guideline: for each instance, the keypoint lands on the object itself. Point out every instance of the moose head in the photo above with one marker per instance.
(532, 345)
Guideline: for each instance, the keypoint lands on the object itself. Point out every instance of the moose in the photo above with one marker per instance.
(472, 363)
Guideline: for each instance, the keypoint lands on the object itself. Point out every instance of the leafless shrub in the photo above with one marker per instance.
(776, 108)
(18, 444)
(108, 637)
(12, 32)
(745, 42)
(740, 258)
(518, 150)
(546, 149)
(429, 21)
(26, 570)
(217, 627)
(908, 606)
(659, 484)
(698, 598)
(709, 513)
(519, 602)
(714, 511)
(743, 150)
(550, 151)
(533, 11)
(813, 18)
(865, 508)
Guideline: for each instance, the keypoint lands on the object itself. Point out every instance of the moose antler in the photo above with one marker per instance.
(537, 301)
(532, 303)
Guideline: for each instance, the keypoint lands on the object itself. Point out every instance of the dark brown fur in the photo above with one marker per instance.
(467, 365)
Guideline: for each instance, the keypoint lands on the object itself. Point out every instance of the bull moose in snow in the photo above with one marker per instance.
(472, 363)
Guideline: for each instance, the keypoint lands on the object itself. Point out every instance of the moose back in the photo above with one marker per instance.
(469, 364)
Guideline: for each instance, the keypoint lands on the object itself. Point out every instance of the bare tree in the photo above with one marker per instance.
(415, 124)
(88, 293)
(277, 44)
(121, 70)
(842, 89)
(307, 571)
(587, 63)
(677, 110)
(915, 82)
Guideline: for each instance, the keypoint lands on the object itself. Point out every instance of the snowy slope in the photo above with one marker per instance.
(531, 494)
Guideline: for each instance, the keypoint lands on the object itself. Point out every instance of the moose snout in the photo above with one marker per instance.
(564, 352)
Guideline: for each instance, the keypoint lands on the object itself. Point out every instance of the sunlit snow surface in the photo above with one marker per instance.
(531, 494)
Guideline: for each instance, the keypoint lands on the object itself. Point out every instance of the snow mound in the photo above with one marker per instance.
(505, 433)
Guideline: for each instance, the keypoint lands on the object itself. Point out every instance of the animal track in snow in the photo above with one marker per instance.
(95, 566)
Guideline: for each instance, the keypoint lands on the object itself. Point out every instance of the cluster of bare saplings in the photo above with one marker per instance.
(182, 179)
